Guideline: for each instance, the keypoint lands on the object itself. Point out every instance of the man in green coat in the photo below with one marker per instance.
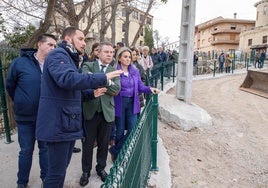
(99, 115)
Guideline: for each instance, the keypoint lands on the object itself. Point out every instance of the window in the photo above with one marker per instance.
(135, 15)
(83, 19)
(265, 10)
(264, 39)
(149, 21)
(123, 27)
(233, 27)
(249, 42)
(141, 33)
(141, 16)
(123, 12)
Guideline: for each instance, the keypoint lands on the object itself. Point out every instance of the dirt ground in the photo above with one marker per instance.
(234, 151)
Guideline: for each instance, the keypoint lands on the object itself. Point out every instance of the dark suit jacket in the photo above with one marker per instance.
(107, 100)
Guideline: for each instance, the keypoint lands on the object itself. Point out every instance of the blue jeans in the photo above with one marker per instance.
(124, 124)
(221, 67)
(26, 138)
(59, 157)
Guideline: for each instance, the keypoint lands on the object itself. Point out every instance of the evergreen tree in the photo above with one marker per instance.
(148, 37)
(19, 36)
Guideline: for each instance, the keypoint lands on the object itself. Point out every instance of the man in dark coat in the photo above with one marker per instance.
(59, 120)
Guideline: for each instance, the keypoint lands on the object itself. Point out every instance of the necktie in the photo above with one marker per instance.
(102, 68)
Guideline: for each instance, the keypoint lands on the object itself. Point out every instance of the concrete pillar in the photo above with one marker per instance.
(186, 51)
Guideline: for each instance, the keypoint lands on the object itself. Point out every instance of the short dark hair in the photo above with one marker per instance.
(135, 49)
(43, 37)
(121, 44)
(69, 31)
(105, 43)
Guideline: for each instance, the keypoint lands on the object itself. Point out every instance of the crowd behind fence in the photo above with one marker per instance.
(166, 71)
(139, 154)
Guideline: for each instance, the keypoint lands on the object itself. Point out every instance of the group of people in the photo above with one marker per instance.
(224, 61)
(61, 95)
(259, 59)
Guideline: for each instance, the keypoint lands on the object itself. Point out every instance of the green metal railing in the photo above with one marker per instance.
(7, 123)
(163, 69)
(139, 153)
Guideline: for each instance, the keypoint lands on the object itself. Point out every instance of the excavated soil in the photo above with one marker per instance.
(231, 153)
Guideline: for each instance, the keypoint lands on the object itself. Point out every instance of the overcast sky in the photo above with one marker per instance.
(167, 17)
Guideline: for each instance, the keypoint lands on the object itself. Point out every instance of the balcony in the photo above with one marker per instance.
(213, 32)
(219, 41)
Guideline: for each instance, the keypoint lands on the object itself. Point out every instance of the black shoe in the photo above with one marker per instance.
(103, 175)
(84, 179)
(76, 150)
(21, 186)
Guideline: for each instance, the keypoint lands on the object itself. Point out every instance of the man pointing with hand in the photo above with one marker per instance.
(59, 120)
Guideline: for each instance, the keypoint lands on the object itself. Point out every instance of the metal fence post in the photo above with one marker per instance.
(232, 66)
(214, 71)
(154, 136)
(162, 75)
(4, 104)
(173, 71)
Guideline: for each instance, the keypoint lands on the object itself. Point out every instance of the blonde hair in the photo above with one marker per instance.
(145, 48)
(119, 53)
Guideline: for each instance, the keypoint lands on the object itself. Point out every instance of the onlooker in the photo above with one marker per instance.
(221, 59)
(23, 86)
(146, 60)
(135, 55)
(195, 60)
(228, 63)
(59, 119)
(98, 115)
(94, 54)
(262, 58)
(257, 59)
(127, 102)
(164, 57)
(118, 46)
(156, 58)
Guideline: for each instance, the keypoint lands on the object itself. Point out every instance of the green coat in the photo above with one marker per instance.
(107, 100)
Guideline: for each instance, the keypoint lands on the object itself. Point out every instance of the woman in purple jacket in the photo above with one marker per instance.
(127, 102)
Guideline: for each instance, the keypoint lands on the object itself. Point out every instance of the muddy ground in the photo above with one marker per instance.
(231, 153)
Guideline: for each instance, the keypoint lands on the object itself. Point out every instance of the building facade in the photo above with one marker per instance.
(229, 35)
(256, 39)
(118, 23)
(220, 34)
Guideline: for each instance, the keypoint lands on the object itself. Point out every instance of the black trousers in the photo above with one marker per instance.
(96, 128)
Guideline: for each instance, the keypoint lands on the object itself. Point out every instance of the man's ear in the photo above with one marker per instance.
(38, 44)
(68, 39)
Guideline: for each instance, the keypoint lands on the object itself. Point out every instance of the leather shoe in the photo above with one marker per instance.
(103, 175)
(84, 179)
(76, 150)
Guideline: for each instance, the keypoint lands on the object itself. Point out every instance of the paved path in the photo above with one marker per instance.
(8, 168)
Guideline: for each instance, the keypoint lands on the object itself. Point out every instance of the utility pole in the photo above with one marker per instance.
(186, 51)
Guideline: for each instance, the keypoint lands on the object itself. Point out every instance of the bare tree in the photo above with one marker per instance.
(150, 5)
(43, 14)
(44, 25)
